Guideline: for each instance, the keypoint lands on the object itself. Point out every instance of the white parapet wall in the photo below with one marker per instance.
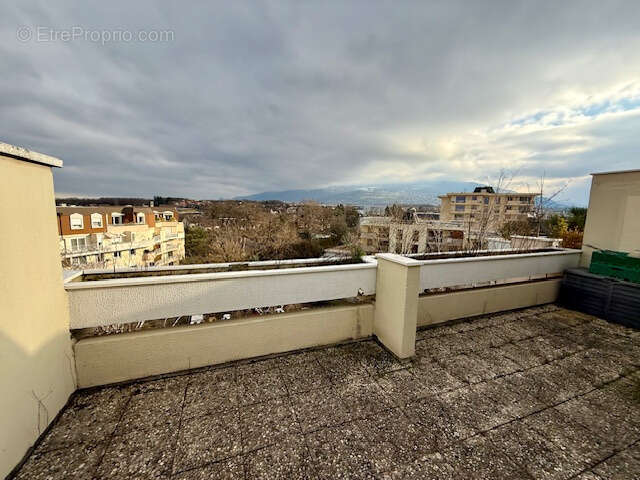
(451, 272)
(126, 300)
(117, 358)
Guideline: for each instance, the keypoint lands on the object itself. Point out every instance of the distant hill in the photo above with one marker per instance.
(370, 195)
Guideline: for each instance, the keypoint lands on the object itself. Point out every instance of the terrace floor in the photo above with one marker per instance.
(540, 393)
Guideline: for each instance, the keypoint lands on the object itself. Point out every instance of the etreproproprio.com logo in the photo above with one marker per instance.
(78, 33)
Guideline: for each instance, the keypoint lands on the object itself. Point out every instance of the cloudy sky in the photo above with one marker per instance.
(217, 99)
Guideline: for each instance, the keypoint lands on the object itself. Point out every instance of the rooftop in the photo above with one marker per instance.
(537, 393)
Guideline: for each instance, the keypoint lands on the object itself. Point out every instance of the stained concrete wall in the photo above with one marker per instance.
(36, 359)
(442, 307)
(613, 218)
(116, 358)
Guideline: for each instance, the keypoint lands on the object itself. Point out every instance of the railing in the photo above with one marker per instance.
(451, 272)
(126, 300)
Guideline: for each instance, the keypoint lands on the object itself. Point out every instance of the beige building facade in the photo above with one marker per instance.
(37, 373)
(386, 234)
(613, 218)
(114, 236)
(486, 210)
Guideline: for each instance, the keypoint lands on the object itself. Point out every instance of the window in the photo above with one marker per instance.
(369, 242)
(78, 244)
(416, 236)
(524, 199)
(116, 218)
(168, 215)
(473, 207)
(96, 220)
(458, 216)
(474, 198)
(170, 254)
(140, 218)
(76, 220)
(509, 199)
(459, 208)
(117, 254)
(497, 199)
(132, 253)
(460, 199)
(486, 200)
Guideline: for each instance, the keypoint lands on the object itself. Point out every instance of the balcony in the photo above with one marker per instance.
(425, 366)
(520, 395)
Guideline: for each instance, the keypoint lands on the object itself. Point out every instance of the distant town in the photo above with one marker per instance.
(116, 232)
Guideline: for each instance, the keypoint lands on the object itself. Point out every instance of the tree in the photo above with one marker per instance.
(196, 242)
(556, 226)
(577, 218)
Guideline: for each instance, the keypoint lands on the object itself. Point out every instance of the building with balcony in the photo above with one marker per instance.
(447, 368)
(486, 210)
(114, 236)
(421, 234)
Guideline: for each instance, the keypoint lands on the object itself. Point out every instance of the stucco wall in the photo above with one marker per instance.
(442, 307)
(115, 358)
(36, 359)
(613, 218)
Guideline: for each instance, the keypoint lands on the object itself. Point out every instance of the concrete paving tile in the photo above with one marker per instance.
(478, 458)
(568, 436)
(339, 452)
(443, 424)
(375, 359)
(75, 461)
(392, 440)
(212, 392)
(499, 364)
(207, 439)
(364, 398)
(287, 460)
(594, 366)
(319, 408)
(477, 408)
(256, 366)
(402, 386)
(601, 423)
(435, 378)
(90, 418)
(469, 368)
(149, 409)
(563, 384)
(621, 466)
(143, 454)
(267, 423)
(435, 348)
(432, 466)
(260, 387)
(540, 348)
(340, 365)
(533, 383)
(522, 356)
(518, 402)
(232, 469)
(539, 457)
(303, 373)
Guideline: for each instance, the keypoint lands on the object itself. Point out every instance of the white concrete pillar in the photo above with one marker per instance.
(396, 312)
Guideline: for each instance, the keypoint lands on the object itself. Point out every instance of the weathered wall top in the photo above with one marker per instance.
(28, 155)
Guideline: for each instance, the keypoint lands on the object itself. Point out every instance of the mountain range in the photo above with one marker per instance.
(375, 195)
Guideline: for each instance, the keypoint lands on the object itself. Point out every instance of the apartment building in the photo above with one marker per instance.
(420, 234)
(115, 236)
(486, 210)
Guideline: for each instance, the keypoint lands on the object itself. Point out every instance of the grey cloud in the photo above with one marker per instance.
(262, 96)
